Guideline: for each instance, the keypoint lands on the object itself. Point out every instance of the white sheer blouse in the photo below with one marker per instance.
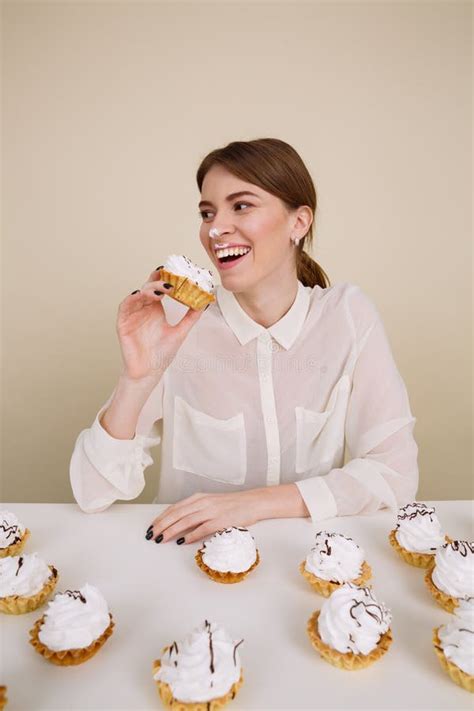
(243, 406)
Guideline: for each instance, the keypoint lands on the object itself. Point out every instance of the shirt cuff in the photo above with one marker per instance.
(119, 461)
(318, 498)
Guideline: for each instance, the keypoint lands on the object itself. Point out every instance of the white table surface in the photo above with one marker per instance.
(157, 594)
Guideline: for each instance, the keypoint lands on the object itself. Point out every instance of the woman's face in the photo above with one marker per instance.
(259, 221)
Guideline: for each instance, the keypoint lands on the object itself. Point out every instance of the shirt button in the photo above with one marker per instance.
(275, 347)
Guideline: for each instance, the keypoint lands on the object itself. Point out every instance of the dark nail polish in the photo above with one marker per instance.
(135, 292)
(149, 535)
(207, 307)
(158, 268)
(150, 528)
(180, 541)
(159, 538)
(167, 286)
(158, 293)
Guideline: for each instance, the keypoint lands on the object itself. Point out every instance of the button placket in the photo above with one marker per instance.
(267, 395)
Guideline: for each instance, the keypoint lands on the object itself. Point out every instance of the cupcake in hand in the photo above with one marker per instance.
(26, 582)
(13, 534)
(417, 535)
(451, 574)
(454, 644)
(75, 626)
(334, 560)
(352, 629)
(201, 673)
(192, 285)
(229, 555)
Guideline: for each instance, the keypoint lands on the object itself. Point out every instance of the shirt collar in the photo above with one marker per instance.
(285, 331)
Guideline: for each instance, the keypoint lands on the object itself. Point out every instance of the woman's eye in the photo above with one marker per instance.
(204, 213)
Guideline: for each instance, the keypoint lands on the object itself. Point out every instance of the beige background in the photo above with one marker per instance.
(107, 110)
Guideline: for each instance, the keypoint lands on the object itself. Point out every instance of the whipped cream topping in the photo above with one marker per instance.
(182, 266)
(335, 557)
(11, 530)
(453, 573)
(74, 619)
(203, 666)
(23, 575)
(230, 550)
(457, 637)
(418, 528)
(352, 620)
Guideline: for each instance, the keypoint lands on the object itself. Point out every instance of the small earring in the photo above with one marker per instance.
(295, 240)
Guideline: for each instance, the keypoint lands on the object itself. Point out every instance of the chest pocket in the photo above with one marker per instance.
(320, 435)
(208, 446)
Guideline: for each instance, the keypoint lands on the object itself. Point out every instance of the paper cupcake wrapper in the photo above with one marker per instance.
(448, 602)
(459, 676)
(326, 587)
(69, 657)
(419, 560)
(15, 548)
(227, 577)
(168, 699)
(186, 291)
(349, 660)
(19, 604)
(3, 697)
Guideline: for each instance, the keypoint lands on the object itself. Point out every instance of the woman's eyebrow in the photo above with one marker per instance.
(229, 198)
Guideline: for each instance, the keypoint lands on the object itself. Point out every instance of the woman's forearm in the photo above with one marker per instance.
(282, 501)
(121, 417)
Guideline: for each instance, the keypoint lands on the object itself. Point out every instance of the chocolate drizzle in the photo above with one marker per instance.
(9, 531)
(405, 514)
(462, 547)
(235, 650)
(211, 648)
(76, 595)
(373, 609)
(20, 563)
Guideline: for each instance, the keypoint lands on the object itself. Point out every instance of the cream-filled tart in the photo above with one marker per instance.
(352, 629)
(335, 559)
(13, 534)
(192, 285)
(200, 673)
(229, 555)
(417, 535)
(454, 644)
(26, 582)
(450, 576)
(76, 624)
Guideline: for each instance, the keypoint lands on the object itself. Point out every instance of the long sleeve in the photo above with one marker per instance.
(382, 470)
(104, 469)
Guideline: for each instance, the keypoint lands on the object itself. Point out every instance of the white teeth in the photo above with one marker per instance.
(233, 251)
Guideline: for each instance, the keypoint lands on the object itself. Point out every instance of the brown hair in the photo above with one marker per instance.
(277, 168)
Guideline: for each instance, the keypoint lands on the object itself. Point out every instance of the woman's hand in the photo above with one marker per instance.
(148, 342)
(201, 515)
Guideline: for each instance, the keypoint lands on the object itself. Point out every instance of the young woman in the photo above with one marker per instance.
(254, 399)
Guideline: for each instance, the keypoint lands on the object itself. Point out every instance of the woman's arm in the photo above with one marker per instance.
(105, 464)
(201, 515)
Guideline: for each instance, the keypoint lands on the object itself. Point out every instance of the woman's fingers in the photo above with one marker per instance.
(183, 525)
(203, 531)
(175, 512)
(172, 516)
(163, 286)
